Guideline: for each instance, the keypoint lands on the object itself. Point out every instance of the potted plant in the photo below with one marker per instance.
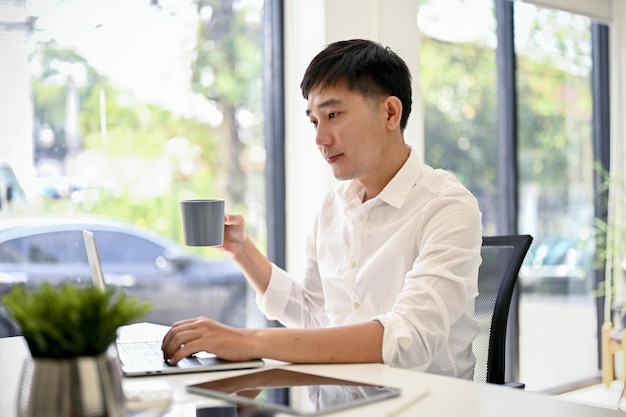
(70, 331)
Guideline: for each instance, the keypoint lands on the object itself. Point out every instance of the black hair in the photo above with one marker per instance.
(368, 68)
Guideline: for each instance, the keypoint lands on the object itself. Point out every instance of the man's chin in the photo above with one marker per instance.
(342, 176)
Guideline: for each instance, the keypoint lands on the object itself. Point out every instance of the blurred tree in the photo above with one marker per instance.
(136, 133)
(228, 72)
(226, 156)
(460, 132)
(459, 95)
(61, 71)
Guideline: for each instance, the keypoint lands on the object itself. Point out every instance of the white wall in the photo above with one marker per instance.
(309, 26)
(618, 86)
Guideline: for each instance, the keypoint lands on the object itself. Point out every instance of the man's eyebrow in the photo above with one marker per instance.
(330, 102)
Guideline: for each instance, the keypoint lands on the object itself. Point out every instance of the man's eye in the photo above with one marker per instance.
(332, 115)
(314, 123)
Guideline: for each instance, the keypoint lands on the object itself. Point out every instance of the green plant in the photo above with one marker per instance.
(68, 321)
(611, 245)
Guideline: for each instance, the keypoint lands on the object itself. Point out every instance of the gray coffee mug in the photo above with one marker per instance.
(203, 222)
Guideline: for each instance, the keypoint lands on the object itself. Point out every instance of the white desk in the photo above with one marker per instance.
(447, 396)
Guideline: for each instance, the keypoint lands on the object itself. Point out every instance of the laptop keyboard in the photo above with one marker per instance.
(140, 353)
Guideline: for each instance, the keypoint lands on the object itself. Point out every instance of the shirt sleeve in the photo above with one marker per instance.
(433, 315)
(292, 303)
(273, 302)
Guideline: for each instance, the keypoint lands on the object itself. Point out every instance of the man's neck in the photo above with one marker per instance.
(389, 170)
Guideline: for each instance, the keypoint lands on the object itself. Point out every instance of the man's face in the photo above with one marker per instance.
(350, 131)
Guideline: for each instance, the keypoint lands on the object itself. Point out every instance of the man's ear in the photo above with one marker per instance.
(392, 107)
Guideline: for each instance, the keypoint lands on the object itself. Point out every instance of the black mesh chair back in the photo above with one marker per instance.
(502, 258)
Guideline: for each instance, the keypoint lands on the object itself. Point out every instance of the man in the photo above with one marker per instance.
(393, 256)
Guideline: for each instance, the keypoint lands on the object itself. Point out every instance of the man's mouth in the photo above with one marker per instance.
(333, 158)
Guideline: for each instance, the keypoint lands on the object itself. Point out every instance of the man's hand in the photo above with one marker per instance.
(202, 334)
(234, 234)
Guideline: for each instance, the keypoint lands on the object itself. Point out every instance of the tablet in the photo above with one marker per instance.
(310, 395)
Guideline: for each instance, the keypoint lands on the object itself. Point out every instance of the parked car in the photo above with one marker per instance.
(74, 189)
(57, 187)
(179, 284)
(562, 264)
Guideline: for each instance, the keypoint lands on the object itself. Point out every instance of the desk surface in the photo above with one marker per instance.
(446, 396)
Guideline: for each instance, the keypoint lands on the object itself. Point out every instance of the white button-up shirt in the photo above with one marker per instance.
(408, 258)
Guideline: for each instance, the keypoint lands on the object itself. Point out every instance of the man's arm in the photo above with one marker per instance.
(254, 265)
(356, 343)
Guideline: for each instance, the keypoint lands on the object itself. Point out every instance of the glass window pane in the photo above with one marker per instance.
(458, 87)
(558, 342)
(116, 111)
(457, 81)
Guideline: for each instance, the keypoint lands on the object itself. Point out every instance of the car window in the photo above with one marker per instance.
(45, 248)
(120, 247)
(10, 252)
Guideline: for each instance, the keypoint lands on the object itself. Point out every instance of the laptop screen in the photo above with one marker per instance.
(94, 259)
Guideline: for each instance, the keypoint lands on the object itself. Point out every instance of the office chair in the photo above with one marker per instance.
(502, 258)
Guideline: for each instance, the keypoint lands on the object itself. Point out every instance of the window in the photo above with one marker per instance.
(552, 180)
(556, 194)
(457, 83)
(114, 112)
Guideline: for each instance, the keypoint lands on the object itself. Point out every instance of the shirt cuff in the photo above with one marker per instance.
(396, 337)
(274, 301)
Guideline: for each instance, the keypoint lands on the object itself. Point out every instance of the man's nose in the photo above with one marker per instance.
(322, 136)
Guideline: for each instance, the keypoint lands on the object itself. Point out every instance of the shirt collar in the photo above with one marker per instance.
(396, 190)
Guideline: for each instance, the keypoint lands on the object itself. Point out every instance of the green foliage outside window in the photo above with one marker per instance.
(145, 142)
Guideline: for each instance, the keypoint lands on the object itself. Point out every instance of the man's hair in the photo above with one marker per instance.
(367, 68)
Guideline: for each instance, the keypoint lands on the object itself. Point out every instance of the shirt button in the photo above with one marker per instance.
(356, 396)
(352, 265)
(356, 306)
(361, 217)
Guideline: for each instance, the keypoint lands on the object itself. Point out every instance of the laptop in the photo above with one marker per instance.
(142, 355)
